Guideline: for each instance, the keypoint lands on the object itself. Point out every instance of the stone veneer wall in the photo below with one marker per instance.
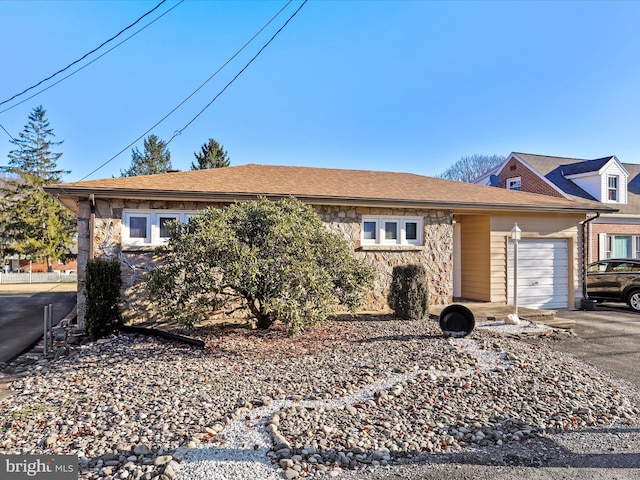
(436, 255)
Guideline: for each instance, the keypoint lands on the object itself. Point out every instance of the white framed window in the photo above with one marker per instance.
(149, 227)
(370, 231)
(385, 230)
(137, 228)
(613, 188)
(514, 183)
(618, 246)
(161, 225)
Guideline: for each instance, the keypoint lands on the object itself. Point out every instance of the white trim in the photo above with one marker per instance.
(153, 218)
(602, 240)
(514, 180)
(617, 189)
(380, 222)
(457, 260)
(618, 219)
(156, 227)
(126, 225)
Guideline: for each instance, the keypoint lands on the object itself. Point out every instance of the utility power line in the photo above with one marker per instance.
(178, 132)
(203, 84)
(84, 56)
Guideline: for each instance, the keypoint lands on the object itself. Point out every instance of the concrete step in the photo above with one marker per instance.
(485, 311)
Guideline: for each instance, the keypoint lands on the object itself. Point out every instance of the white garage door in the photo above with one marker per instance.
(543, 274)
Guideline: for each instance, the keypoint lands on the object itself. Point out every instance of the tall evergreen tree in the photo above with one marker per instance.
(156, 158)
(211, 155)
(34, 224)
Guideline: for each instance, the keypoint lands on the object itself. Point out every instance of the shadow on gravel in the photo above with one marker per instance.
(366, 317)
(548, 452)
(399, 338)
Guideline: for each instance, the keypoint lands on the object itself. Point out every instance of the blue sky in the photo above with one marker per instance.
(383, 85)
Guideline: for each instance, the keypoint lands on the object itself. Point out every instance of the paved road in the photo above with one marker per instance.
(608, 338)
(21, 319)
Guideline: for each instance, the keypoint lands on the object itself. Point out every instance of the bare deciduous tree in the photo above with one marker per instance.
(470, 167)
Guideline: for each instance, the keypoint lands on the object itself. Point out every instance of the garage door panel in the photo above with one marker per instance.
(543, 302)
(539, 282)
(543, 273)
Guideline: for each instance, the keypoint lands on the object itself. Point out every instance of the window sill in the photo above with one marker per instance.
(394, 248)
(140, 248)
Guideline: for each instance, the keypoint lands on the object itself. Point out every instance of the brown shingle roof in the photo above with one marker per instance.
(315, 186)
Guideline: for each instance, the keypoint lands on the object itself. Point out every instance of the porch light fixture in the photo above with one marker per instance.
(516, 235)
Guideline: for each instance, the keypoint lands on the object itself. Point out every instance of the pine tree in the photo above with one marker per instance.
(156, 158)
(34, 224)
(211, 155)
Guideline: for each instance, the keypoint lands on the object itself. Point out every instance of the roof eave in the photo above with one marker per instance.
(68, 195)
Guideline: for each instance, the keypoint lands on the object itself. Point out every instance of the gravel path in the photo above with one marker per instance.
(355, 399)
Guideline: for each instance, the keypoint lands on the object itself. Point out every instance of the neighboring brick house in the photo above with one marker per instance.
(605, 180)
(70, 266)
(460, 232)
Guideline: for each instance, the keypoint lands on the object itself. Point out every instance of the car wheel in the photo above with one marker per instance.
(634, 300)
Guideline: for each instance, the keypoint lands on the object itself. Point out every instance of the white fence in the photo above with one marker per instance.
(52, 277)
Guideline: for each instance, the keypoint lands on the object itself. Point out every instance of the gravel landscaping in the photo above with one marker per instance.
(353, 397)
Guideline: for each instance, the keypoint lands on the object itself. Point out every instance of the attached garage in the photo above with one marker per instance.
(543, 273)
(549, 261)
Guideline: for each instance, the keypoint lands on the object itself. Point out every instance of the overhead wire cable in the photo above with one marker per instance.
(14, 140)
(198, 89)
(178, 132)
(85, 55)
(5, 131)
(94, 60)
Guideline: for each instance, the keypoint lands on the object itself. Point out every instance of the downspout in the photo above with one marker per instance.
(92, 219)
(585, 245)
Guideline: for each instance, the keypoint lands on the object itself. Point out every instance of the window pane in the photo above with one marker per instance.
(138, 227)
(622, 246)
(411, 230)
(390, 230)
(164, 226)
(369, 230)
(613, 187)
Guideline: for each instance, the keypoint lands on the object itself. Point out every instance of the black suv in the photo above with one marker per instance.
(617, 279)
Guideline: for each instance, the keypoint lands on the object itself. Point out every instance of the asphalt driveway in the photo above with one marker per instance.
(608, 338)
(21, 319)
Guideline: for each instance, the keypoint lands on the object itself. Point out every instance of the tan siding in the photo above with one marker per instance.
(535, 226)
(475, 256)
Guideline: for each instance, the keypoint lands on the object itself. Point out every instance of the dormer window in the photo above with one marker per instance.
(613, 188)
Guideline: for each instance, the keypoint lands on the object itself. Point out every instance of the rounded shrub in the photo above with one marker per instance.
(408, 296)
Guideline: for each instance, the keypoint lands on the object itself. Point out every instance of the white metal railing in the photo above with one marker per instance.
(51, 277)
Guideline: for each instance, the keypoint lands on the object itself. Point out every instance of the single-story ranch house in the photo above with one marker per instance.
(459, 231)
